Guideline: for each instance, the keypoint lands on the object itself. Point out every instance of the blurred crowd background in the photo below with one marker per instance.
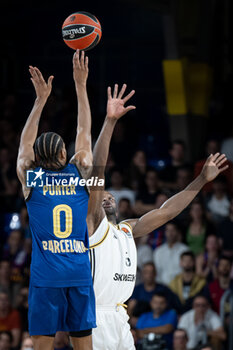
(177, 55)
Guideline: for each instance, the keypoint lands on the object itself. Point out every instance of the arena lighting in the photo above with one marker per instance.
(15, 222)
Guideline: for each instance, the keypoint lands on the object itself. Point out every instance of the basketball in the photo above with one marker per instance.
(81, 30)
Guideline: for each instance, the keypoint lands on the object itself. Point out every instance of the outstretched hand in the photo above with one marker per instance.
(42, 88)
(116, 103)
(213, 166)
(80, 68)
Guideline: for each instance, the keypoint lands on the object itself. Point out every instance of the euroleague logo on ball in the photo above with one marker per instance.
(72, 18)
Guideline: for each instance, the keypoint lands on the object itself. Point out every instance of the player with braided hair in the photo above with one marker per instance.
(60, 268)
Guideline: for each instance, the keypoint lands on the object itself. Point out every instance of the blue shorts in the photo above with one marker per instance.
(70, 309)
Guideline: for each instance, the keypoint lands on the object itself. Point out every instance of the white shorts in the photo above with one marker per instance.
(113, 330)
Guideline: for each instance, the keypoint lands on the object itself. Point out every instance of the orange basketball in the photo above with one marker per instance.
(82, 31)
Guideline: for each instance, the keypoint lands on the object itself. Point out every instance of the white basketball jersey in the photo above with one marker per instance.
(113, 259)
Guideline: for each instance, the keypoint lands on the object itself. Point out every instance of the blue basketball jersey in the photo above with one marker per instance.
(57, 209)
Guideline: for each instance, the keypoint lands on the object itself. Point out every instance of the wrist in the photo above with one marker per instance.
(41, 100)
(202, 179)
(80, 85)
(111, 119)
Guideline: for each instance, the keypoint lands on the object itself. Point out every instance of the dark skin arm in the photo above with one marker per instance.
(176, 204)
(115, 110)
(26, 153)
(166, 329)
(83, 152)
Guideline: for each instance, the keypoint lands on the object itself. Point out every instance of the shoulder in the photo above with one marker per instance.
(181, 247)
(212, 316)
(72, 165)
(81, 160)
(199, 280)
(127, 228)
(187, 316)
(214, 319)
(176, 279)
(171, 314)
(162, 287)
(161, 249)
(100, 233)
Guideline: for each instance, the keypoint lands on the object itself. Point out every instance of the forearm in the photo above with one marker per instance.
(83, 119)
(181, 200)
(220, 334)
(101, 149)
(170, 209)
(30, 129)
(100, 156)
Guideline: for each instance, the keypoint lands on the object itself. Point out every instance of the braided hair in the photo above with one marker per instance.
(47, 148)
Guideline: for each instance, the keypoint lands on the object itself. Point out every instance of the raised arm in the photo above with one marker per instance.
(30, 130)
(174, 205)
(83, 150)
(115, 110)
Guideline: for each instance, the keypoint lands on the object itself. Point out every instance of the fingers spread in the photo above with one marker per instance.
(86, 62)
(221, 162)
(50, 80)
(224, 168)
(76, 59)
(130, 108)
(121, 93)
(115, 91)
(33, 73)
(109, 93)
(220, 158)
(215, 156)
(82, 59)
(33, 82)
(40, 76)
(128, 96)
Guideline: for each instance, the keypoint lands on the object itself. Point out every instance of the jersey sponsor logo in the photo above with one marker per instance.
(126, 231)
(127, 262)
(123, 277)
(64, 246)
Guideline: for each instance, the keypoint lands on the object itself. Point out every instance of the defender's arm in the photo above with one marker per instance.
(115, 110)
(174, 205)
